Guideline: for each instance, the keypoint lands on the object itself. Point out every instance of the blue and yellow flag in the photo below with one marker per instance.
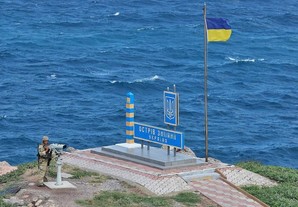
(218, 29)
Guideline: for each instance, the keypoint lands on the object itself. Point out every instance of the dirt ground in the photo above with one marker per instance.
(87, 187)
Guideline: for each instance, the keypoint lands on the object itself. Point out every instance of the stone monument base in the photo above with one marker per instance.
(154, 157)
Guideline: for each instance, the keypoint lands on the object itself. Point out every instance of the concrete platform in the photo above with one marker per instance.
(65, 185)
(155, 157)
(129, 146)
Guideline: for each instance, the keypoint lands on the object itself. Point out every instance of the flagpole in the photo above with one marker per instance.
(205, 84)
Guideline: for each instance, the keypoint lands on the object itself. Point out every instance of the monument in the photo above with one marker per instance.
(147, 135)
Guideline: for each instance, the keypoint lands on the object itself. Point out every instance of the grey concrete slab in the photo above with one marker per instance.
(155, 157)
(128, 145)
(65, 185)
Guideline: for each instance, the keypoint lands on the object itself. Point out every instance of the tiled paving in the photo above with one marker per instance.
(223, 194)
(242, 177)
(159, 185)
(162, 182)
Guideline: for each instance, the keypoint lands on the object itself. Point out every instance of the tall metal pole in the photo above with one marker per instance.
(205, 83)
(175, 150)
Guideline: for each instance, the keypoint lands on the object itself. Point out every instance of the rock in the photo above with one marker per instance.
(31, 184)
(5, 168)
(70, 149)
(30, 205)
(4, 163)
(25, 196)
(66, 175)
(186, 150)
(14, 201)
(38, 202)
(213, 160)
(35, 199)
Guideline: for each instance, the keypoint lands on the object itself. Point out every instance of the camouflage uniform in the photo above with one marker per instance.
(42, 164)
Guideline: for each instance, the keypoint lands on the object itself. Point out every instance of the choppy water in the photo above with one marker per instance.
(65, 67)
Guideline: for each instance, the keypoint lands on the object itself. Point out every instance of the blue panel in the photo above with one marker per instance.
(171, 111)
(158, 135)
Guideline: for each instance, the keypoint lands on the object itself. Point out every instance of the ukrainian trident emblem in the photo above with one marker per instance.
(170, 108)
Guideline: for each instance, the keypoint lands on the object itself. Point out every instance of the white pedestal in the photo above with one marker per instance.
(129, 146)
(65, 185)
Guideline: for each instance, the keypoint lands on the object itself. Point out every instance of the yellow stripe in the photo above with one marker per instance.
(217, 35)
(128, 132)
(130, 141)
(130, 115)
(130, 106)
(128, 100)
(129, 123)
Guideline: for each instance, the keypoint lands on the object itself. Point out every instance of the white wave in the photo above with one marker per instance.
(116, 14)
(142, 80)
(237, 59)
(241, 60)
(3, 116)
(153, 78)
(146, 28)
(52, 76)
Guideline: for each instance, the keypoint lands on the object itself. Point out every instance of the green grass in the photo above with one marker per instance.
(279, 174)
(125, 199)
(187, 198)
(15, 175)
(284, 194)
(78, 173)
(2, 204)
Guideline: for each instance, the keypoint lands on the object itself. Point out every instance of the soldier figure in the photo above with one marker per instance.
(44, 158)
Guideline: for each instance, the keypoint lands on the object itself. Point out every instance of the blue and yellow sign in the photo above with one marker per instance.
(171, 108)
(158, 135)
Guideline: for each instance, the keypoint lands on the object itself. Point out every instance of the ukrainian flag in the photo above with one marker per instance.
(218, 29)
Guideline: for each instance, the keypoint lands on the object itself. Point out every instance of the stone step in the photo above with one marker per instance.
(208, 174)
(155, 157)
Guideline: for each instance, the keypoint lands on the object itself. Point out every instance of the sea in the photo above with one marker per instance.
(66, 67)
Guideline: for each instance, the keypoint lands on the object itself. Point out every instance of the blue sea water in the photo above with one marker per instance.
(66, 66)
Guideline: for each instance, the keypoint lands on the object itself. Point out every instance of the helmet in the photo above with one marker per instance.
(45, 138)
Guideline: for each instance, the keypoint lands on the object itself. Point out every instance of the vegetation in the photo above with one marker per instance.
(15, 175)
(125, 199)
(2, 204)
(284, 194)
(187, 198)
(78, 173)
